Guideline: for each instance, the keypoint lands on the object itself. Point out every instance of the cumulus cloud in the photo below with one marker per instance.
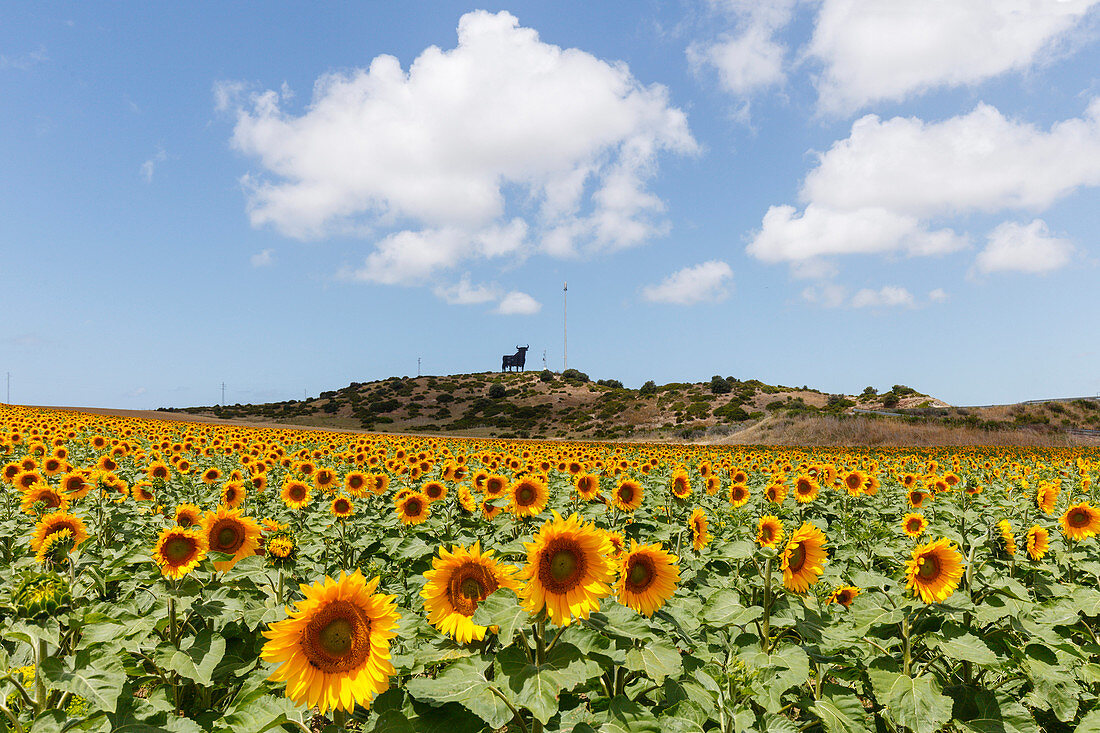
(1024, 248)
(465, 293)
(880, 190)
(750, 58)
(703, 283)
(829, 295)
(517, 303)
(431, 158)
(149, 166)
(875, 50)
(980, 161)
(262, 258)
(789, 236)
(889, 296)
(939, 295)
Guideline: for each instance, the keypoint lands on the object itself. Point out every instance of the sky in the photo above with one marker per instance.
(283, 200)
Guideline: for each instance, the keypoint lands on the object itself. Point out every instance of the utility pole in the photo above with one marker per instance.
(565, 321)
(223, 395)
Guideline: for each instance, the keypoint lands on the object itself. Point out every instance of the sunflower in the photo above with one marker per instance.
(1007, 541)
(914, 524)
(587, 485)
(414, 508)
(844, 595)
(618, 544)
(855, 482)
(647, 577)
(334, 650)
(209, 476)
(179, 551)
(188, 515)
(489, 510)
(776, 492)
(698, 524)
(158, 471)
(24, 480)
(528, 497)
(713, 484)
(281, 548)
(341, 507)
(458, 581)
(295, 494)
(466, 499)
(681, 484)
(433, 490)
(568, 570)
(805, 489)
(769, 531)
(1038, 542)
(803, 557)
(229, 532)
(324, 479)
(628, 495)
(356, 483)
(916, 498)
(495, 485)
(1081, 521)
(1045, 496)
(142, 491)
(51, 498)
(738, 495)
(233, 494)
(55, 522)
(934, 570)
(379, 484)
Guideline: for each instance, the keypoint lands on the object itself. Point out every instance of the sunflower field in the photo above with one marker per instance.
(206, 577)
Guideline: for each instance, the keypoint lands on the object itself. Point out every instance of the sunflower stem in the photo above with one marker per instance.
(39, 679)
(340, 718)
(540, 641)
(906, 650)
(765, 628)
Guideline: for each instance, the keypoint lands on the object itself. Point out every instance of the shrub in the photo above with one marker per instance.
(546, 376)
(613, 383)
(497, 391)
(890, 400)
(718, 385)
(574, 375)
(648, 388)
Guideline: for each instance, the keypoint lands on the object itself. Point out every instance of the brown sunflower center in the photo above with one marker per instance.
(525, 495)
(738, 493)
(767, 533)
(227, 537)
(929, 567)
(626, 494)
(1078, 518)
(640, 574)
(342, 506)
(413, 507)
(178, 550)
(297, 493)
(562, 565)
(797, 557)
(494, 486)
(355, 482)
(914, 525)
(470, 584)
(844, 597)
(337, 639)
(854, 481)
(804, 487)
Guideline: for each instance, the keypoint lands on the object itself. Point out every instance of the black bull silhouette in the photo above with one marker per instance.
(514, 360)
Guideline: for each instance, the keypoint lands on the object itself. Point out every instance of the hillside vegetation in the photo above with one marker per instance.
(570, 405)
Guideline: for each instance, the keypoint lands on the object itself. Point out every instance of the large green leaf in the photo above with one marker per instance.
(656, 659)
(196, 659)
(914, 702)
(463, 682)
(957, 643)
(394, 712)
(1052, 687)
(724, 608)
(840, 710)
(501, 609)
(97, 677)
(257, 712)
(627, 716)
(537, 686)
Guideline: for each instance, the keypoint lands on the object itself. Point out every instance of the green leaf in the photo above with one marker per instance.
(915, 702)
(983, 711)
(537, 686)
(1089, 723)
(196, 661)
(96, 677)
(394, 712)
(627, 716)
(257, 711)
(463, 682)
(724, 609)
(1051, 687)
(840, 710)
(50, 721)
(501, 609)
(657, 659)
(957, 643)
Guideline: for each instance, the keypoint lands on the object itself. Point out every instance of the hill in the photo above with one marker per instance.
(726, 409)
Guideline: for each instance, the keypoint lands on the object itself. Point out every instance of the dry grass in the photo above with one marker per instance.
(869, 431)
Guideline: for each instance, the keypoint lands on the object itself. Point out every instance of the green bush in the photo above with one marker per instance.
(546, 376)
(497, 391)
(718, 385)
(574, 375)
(648, 388)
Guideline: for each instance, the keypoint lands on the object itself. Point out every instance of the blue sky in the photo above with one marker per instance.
(837, 193)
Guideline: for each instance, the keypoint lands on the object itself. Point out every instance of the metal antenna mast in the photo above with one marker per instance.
(565, 321)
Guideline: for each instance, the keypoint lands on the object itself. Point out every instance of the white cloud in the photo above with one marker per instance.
(1024, 248)
(25, 61)
(880, 189)
(978, 161)
(939, 295)
(149, 166)
(889, 296)
(517, 303)
(465, 293)
(829, 295)
(750, 59)
(703, 283)
(262, 258)
(787, 236)
(875, 50)
(436, 155)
